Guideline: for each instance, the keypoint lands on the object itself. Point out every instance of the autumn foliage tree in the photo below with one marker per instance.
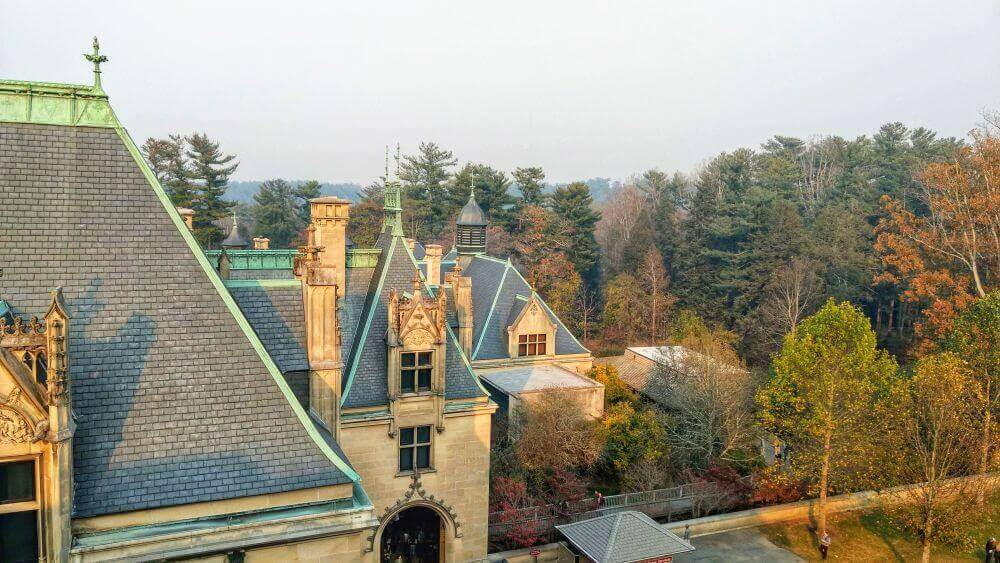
(935, 409)
(944, 247)
(824, 398)
(975, 337)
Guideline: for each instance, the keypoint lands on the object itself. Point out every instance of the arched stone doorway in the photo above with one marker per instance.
(413, 535)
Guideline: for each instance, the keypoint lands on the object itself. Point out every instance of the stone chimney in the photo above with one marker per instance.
(329, 220)
(462, 288)
(187, 215)
(261, 243)
(432, 255)
(323, 272)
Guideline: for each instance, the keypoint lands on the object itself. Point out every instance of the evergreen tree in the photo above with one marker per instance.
(574, 204)
(169, 162)
(305, 191)
(276, 213)
(425, 196)
(530, 182)
(210, 169)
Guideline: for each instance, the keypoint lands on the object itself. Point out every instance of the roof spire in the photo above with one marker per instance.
(97, 58)
(472, 187)
(392, 208)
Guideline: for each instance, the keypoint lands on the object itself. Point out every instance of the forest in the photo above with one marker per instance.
(752, 242)
(853, 283)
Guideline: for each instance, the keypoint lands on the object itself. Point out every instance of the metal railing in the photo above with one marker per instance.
(541, 520)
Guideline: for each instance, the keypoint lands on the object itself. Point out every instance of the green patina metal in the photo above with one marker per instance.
(85, 541)
(285, 259)
(49, 103)
(363, 257)
(280, 259)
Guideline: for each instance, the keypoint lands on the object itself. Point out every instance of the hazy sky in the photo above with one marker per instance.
(583, 89)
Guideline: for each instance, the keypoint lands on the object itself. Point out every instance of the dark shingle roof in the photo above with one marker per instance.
(471, 213)
(365, 374)
(623, 537)
(173, 403)
(276, 315)
(498, 292)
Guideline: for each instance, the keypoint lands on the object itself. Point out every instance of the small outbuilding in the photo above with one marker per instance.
(624, 537)
(522, 384)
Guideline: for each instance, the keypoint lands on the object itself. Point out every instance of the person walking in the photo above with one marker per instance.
(991, 549)
(824, 543)
(687, 532)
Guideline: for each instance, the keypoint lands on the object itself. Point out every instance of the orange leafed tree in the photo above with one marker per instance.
(943, 250)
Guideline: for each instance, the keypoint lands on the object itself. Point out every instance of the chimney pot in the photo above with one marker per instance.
(187, 215)
(432, 256)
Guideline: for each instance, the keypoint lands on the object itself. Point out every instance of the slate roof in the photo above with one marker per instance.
(365, 374)
(499, 292)
(173, 403)
(623, 537)
(277, 316)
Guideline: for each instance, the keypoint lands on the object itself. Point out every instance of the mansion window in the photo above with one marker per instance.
(415, 372)
(531, 345)
(414, 448)
(19, 523)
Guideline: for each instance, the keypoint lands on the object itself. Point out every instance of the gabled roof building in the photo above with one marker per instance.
(158, 401)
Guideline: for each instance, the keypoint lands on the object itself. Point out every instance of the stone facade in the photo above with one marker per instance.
(244, 404)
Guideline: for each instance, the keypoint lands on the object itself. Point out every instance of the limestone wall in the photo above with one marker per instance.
(459, 477)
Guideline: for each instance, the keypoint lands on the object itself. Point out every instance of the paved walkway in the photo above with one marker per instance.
(738, 545)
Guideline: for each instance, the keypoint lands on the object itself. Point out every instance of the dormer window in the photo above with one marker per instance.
(531, 332)
(415, 371)
(531, 345)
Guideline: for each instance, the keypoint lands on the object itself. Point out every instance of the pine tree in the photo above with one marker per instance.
(169, 162)
(425, 197)
(210, 169)
(304, 192)
(574, 204)
(530, 182)
(276, 213)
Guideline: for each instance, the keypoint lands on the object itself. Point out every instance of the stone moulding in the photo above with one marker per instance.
(415, 495)
(54, 104)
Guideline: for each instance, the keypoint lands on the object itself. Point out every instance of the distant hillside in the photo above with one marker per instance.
(599, 188)
(243, 191)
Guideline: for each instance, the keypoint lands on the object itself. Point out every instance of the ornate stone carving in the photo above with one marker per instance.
(415, 495)
(418, 337)
(14, 427)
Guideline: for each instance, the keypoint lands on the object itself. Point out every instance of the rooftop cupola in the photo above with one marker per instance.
(234, 240)
(470, 228)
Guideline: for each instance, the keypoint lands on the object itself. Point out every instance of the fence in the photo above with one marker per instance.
(540, 521)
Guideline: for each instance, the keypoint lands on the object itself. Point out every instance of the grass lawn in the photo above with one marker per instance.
(869, 536)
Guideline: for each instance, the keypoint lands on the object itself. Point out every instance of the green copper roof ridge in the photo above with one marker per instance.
(237, 314)
(553, 315)
(50, 103)
(358, 348)
(493, 306)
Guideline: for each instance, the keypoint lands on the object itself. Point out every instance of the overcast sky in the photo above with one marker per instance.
(583, 89)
